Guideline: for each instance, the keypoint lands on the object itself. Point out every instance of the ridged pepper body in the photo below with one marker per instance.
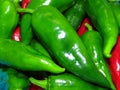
(23, 57)
(102, 17)
(65, 81)
(56, 34)
(11, 79)
(26, 28)
(93, 42)
(8, 18)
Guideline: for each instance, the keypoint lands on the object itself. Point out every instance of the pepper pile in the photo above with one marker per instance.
(59, 44)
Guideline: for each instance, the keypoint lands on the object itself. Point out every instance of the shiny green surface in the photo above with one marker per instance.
(103, 19)
(8, 18)
(94, 44)
(23, 57)
(69, 82)
(61, 40)
(59, 4)
(65, 81)
(26, 29)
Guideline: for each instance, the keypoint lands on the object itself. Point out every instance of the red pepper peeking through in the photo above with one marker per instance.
(25, 3)
(34, 87)
(114, 64)
(16, 34)
(83, 28)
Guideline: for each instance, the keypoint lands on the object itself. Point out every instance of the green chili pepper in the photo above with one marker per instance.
(11, 79)
(39, 47)
(17, 3)
(76, 14)
(26, 29)
(65, 81)
(115, 5)
(23, 57)
(68, 51)
(8, 18)
(103, 19)
(93, 42)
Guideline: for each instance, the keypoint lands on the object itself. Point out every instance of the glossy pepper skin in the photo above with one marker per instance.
(26, 29)
(8, 18)
(10, 79)
(76, 14)
(94, 44)
(114, 64)
(103, 19)
(23, 57)
(16, 34)
(25, 3)
(58, 39)
(65, 81)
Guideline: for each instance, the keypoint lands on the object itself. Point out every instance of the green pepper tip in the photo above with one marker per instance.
(41, 83)
(107, 55)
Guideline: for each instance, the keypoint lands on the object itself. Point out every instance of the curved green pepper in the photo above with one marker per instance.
(115, 5)
(56, 33)
(26, 29)
(75, 14)
(24, 57)
(65, 81)
(102, 17)
(39, 47)
(93, 42)
(8, 18)
(11, 79)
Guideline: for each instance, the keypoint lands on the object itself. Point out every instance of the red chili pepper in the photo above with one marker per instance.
(34, 87)
(114, 64)
(16, 34)
(25, 3)
(82, 27)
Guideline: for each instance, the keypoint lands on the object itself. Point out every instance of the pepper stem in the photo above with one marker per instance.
(89, 27)
(41, 83)
(27, 10)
